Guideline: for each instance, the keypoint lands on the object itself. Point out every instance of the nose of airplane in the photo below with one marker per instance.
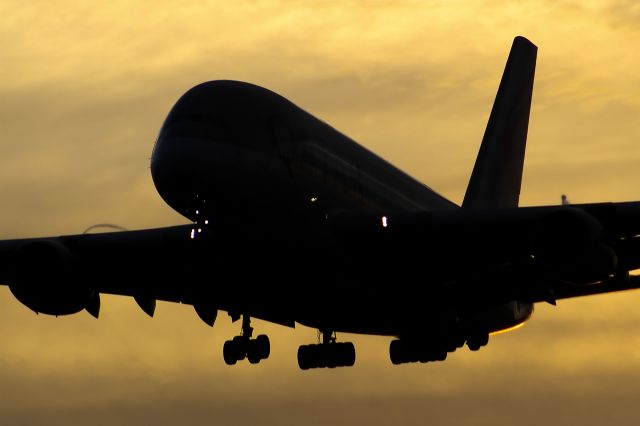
(219, 140)
(230, 112)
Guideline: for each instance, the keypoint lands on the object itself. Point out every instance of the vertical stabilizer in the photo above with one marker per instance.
(497, 173)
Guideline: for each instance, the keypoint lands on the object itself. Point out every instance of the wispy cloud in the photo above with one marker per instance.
(84, 89)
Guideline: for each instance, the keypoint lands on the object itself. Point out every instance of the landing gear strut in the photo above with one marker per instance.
(243, 346)
(328, 354)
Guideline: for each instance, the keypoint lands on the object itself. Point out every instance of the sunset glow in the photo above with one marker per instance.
(84, 88)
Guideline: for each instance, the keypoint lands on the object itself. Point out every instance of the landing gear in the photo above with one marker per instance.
(475, 342)
(405, 350)
(243, 346)
(402, 351)
(328, 354)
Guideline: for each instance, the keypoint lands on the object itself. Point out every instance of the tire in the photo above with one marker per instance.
(473, 345)
(241, 345)
(396, 352)
(304, 361)
(349, 352)
(320, 355)
(263, 346)
(253, 351)
(484, 340)
(333, 354)
(476, 342)
(229, 352)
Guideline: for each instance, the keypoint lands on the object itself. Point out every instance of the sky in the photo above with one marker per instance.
(84, 89)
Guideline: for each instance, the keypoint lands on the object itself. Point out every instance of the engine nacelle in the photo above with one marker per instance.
(44, 281)
(571, 244)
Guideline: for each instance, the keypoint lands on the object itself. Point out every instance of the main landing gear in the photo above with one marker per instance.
(328, 354)
(243, 346)
(405, 350)
(475, 342)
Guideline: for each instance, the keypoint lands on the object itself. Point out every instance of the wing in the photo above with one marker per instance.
(54, 275)
(487, 257)
(66, 274)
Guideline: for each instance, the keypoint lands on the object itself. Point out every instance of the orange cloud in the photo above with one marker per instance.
(84, 91)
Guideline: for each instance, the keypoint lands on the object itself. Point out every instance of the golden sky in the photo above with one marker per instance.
(84, 90)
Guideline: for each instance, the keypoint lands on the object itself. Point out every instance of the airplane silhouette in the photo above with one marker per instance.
(293, 222)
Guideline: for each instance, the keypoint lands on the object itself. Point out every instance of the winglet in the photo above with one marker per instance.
(497, 173)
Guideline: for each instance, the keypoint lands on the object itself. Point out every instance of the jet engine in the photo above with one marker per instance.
(44, 282)
(571, 244)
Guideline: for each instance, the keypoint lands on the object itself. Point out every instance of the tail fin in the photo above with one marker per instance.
(497, 174)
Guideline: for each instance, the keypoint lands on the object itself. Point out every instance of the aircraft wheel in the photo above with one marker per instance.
(332, 354)
(229, 352)
(397, 352)
(424, 352)
(253, 351)
(321, 355)
(304, 358)
(473, 347)
(326, 355)
(241, 344)
(484, 340)
(263, 346)
(348, 354)
(412, 352)
(476, 342)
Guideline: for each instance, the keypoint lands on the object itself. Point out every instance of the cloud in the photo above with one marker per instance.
(84, 90)
(623, 13)
(484, 410)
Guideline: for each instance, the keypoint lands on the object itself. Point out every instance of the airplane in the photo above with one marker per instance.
(295, 223)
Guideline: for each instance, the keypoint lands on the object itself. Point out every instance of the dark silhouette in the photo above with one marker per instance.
(295, 222)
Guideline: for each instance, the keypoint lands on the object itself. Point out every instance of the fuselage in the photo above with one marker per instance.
(265, 175)
(249, 151)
